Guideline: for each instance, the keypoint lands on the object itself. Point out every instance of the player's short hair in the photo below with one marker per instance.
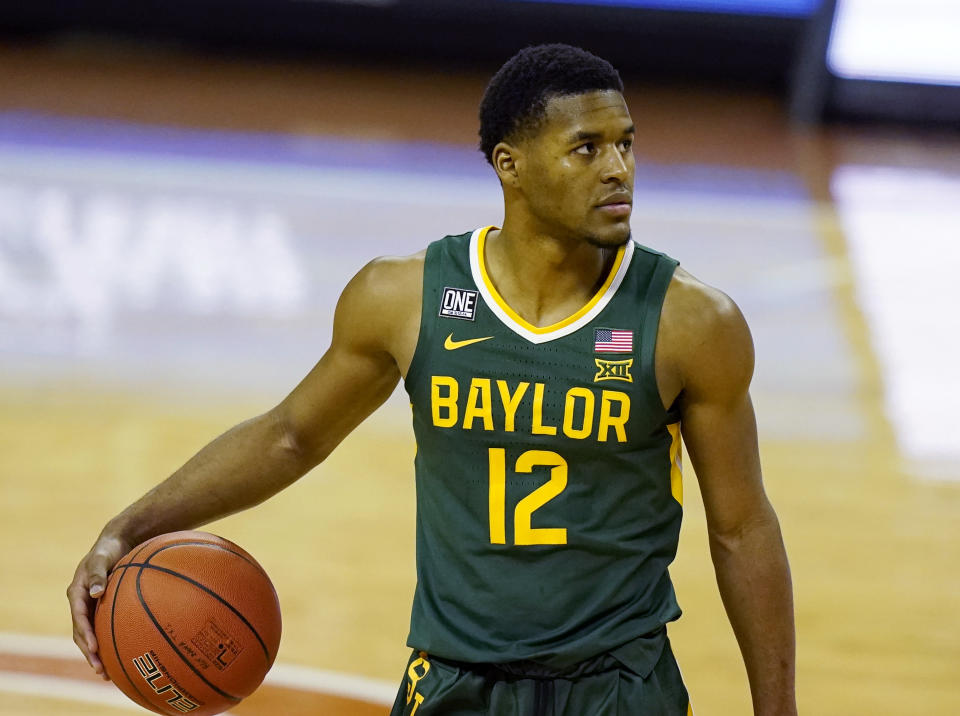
(515, 101)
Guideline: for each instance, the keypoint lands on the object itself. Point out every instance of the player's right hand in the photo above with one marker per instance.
(89, 583)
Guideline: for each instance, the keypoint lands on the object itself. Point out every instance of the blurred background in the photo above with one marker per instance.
(185, 188)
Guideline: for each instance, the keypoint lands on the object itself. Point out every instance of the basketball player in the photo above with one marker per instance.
(553, 365)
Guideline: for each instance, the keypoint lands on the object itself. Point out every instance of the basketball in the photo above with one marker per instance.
(189, 623)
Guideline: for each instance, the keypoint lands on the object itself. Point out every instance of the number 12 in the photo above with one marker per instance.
(523, 533)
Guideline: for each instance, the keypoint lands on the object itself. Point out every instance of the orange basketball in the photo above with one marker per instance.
(189, 624)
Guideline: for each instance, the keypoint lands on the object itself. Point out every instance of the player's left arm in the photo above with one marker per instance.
(746, 545)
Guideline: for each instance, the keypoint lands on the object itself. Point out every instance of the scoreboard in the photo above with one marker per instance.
(886, 59)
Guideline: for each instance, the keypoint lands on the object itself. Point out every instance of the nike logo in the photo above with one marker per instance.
(452, 345)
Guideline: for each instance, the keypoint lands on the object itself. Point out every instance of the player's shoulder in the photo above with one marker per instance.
(395, 269)
(691, 302)
(400, 278)
(381, 303)
(702, 327)
(389, 278)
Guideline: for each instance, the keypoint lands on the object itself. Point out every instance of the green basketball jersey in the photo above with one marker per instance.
(548, 471)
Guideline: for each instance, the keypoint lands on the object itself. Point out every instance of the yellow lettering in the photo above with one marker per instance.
(524, 532)
(608, 420)
(419, 701)
(446, 402)
(538, 427)
(478, 404)
(498, 495)
(570, 408)
(510, 402)
(415, 677)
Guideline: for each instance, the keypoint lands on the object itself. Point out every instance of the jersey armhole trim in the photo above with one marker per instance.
(656, 293)
(423, 335)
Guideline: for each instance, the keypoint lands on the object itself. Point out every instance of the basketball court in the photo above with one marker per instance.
(174, 232)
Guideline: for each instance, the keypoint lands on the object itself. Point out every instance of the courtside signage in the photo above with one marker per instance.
(459, 303)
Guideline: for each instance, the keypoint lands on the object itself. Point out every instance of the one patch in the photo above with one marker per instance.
(613, 370)
(459, 303)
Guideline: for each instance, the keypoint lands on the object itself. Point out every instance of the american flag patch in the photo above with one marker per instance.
(610, 340)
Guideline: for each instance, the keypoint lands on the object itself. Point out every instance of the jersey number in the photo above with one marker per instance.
(523, 533)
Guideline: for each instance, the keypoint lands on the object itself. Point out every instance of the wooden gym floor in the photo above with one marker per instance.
(174, 230)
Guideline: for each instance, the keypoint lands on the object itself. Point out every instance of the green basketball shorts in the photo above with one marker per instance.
(602, 686)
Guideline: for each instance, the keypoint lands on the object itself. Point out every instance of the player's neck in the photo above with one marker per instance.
(541, 277)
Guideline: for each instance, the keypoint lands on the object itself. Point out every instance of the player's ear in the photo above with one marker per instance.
(505, 160)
